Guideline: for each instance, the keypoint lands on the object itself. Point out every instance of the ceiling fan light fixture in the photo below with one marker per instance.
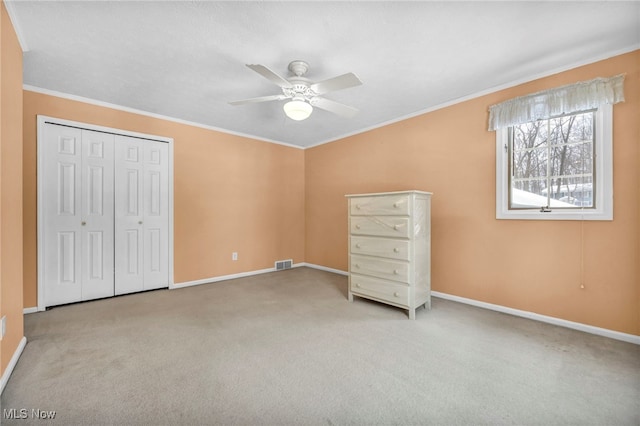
(297, 110)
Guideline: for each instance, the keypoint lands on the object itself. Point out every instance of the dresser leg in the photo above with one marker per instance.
(412, 314)
(350, 297)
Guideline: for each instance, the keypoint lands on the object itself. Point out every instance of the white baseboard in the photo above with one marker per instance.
(227, 277)
(12, 364)
(32, 310)
(324, 268)
(630, 338)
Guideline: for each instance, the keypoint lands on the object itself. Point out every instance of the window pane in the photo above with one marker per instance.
(529, 158)
(552, 158)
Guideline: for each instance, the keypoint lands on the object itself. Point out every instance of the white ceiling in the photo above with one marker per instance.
(186, 59)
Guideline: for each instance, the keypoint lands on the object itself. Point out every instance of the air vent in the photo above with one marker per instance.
(281, 265)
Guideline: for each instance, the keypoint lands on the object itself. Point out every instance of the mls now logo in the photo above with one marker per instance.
(14, 413)
(23, 413)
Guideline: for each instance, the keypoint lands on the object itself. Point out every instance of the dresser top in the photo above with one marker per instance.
(374, 194)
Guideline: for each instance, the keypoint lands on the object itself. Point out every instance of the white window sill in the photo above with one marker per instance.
(554, 215)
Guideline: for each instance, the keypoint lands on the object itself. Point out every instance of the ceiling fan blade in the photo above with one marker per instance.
(336, 83)
(270, 75)
(334, 107)
(260, 99)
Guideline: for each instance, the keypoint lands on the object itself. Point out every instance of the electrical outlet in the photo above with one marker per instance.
(4, 326)
(234, 256)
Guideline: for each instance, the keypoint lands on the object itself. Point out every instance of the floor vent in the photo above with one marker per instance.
(281, 265)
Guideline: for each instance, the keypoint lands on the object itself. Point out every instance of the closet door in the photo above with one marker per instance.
(78, 214)
(142, 219)
(97, 215)
(156, 217)
(129, 215)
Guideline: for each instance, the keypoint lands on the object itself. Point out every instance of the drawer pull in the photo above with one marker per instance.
(357, 226)
(396, 294)
(357, 266)
(395, 227)
(357, 285)
(395, 205)
(396, 250)
(357, 206)
(357, 245)
(395, 272)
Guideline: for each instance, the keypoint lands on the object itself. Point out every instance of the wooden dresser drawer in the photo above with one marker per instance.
(395, 270)
(383, 226)
(381, 205)
(383, 290)
(383, 247)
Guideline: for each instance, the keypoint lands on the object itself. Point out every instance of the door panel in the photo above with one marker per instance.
(97, 215)
(67, 257)
(95, 253)
(66, 188)
(133, 192)
(156, 217)
(62, 217)
(129, 215)
(142, 215)
(96, 190)
(132, 251)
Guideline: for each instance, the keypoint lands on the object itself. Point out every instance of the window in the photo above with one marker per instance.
(554, 152)
(551, 162)
(556, 168)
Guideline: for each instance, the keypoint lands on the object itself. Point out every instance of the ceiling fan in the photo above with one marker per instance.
(304, 93)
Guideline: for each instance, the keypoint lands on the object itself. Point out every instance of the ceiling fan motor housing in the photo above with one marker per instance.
(299, 89)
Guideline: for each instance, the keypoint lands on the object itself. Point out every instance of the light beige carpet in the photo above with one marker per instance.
(287, 348)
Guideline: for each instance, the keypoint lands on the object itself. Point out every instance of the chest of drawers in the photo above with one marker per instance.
(390, 248)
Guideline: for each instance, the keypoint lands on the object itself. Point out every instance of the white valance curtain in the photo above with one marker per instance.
(567, 99)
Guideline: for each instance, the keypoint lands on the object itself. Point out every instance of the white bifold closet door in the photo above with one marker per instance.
(142, 215)
(105, 214)
(78, 213)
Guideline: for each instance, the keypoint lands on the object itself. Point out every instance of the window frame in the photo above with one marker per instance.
(603, 169)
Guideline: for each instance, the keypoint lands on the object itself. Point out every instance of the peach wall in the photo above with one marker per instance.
(528, 265)
(230, 193)
(10, 188)
(269, 202)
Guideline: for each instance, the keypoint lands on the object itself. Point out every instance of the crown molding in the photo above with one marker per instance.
(90, 101)
(488, 91)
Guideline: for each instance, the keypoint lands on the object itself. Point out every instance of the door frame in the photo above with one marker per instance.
(42, 121)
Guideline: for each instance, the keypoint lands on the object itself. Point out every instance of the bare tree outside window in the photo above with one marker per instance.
(552, 163)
